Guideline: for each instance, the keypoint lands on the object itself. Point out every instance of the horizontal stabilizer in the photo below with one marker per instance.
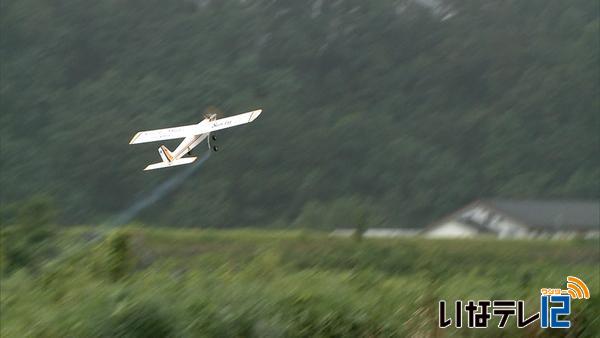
(181, 161)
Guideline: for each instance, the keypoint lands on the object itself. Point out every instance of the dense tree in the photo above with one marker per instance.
(411, 109)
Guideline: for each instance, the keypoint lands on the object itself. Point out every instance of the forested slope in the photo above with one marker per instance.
(397, 109)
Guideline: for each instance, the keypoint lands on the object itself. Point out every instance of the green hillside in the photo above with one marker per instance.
(213, 283)
(393, 109)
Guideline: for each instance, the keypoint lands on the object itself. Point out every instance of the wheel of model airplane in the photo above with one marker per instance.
(213, 137)
(215, 148)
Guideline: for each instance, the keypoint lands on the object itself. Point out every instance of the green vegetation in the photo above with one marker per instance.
(251, 283)
(406, 110)
(376, 113)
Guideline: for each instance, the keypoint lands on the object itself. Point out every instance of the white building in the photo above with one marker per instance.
(377, 232)
(520, 219)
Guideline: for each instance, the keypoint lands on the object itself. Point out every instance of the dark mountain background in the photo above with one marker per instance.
(398, 110)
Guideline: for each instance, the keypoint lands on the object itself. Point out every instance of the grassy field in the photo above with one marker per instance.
(137, 282)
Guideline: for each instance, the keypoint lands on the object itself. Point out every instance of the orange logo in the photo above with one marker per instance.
(576, 288)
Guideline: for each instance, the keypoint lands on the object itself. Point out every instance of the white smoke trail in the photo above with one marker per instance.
(159, 192)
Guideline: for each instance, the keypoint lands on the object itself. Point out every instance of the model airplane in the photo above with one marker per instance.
(192, 136)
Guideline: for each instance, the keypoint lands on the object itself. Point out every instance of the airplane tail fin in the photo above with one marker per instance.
(165, 154)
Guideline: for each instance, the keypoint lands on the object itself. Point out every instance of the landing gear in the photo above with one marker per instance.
(211, 145)
(190, 153)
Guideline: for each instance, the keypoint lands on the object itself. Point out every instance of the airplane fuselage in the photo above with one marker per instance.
(192, 141)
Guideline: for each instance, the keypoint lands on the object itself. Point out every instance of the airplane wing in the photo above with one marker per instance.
(162, 134)
(228, 122)
(195, 129)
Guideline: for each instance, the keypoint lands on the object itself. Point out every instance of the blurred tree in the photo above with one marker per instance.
(119, 256)
(361, 226)
(37, 212)
(413, 109)
(26, 242)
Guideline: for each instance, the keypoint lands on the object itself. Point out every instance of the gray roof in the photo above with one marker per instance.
(551, 214)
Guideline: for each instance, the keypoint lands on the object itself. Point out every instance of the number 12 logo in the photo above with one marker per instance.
(549, 314)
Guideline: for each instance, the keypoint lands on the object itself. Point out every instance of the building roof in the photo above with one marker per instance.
(551, 214)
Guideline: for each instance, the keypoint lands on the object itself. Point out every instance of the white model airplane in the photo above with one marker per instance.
(192, 136)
